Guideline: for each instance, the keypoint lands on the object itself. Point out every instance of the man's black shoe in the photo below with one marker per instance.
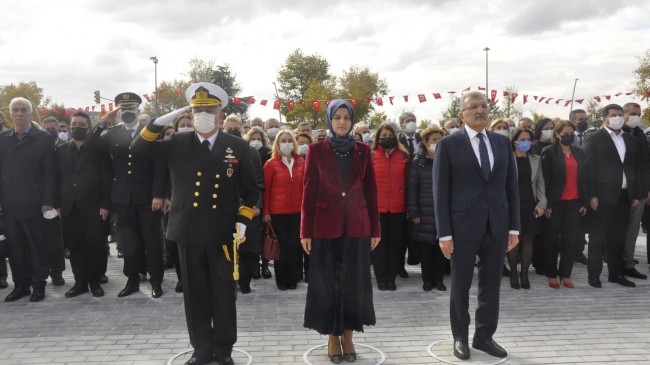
(595, 282)
(131, 287)
(179, 287)
(57, 279)
(77, 289)
(391, 286)
(266, 273)
(440, 286)
(245, 289)
(634, 273)
(38, 294)
(96, 290)
(156, 291)
(382, 286)
(620, 279)
(427, 286)
(18, 292)
(257, 274)
(490, 347)
(461, 350)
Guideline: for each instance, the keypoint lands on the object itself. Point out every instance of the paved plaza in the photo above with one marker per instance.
(538, 326)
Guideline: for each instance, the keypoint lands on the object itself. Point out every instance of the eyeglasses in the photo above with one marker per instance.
(20, 110)
(474, 107)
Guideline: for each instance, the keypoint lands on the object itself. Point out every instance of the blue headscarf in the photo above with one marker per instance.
(341, 144)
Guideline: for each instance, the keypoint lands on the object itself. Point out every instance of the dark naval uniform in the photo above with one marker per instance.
(137, 179)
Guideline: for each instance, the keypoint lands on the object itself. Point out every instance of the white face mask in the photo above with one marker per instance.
(512, 129)
(256, 144)
(547, 135)
(302, 149)
(366, 137)
(186, 129)
(616, 123)
(503, 132)
(633, 121)
(453, 130)
(410, 127)
(286, 148)
(272, 132)
(432, 148)
(64, 136)
(204, 122)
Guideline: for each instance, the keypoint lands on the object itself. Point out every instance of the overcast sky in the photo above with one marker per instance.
(73, 47)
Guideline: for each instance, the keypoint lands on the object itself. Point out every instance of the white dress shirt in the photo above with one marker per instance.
(288, 164)
(211, 139)
(475, 141)
(619, 142)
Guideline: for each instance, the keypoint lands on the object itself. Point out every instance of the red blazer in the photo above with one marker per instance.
(283, 192)
(329, 208)
(391, 179)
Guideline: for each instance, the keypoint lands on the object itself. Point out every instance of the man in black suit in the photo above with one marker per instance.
(477, 214)
(616, 184)
(85, 186)
(213, 197)
(137, 193)
(27, 189)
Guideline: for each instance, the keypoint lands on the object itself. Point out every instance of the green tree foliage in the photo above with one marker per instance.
(452, 110)
(222, 75)
(508, 108)
(168, 100)
(360, 82)
(299, 72)
(642, 77)
(536, 117)
(376, 118)
(27, 90)
(593, 109)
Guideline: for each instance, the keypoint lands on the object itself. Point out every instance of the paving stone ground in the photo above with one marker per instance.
(538, 326)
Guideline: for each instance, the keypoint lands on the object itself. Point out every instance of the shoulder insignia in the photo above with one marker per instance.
(228, 150)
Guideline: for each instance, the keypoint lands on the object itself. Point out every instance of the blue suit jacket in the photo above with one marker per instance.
(465, 200)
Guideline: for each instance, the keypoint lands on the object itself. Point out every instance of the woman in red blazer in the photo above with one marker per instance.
(339, 228)
(390, 159)
(283, 180)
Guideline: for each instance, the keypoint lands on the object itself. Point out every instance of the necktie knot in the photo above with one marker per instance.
(206, 145)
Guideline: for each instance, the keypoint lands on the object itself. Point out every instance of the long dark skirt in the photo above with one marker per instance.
(339, 296)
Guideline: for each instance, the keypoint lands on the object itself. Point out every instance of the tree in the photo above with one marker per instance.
(376, 118)
(536, 117)
(223, 76)
(318, 91)
(27, 90)
(508, 108)
(299, 72)
(452, 111)
(593, 109)
(169, 99)
(57, 111)
(360, 82)
(642, 77)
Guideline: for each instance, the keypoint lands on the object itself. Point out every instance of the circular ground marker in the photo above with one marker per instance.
(171, 361)
(379, 362)
(430, 351)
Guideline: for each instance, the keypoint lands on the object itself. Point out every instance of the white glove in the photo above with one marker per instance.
(168, 118)
(242, 230)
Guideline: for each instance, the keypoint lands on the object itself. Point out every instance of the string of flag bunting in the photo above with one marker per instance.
(378, 101)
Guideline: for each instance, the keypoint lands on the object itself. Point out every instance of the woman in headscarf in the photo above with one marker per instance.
(339, 228)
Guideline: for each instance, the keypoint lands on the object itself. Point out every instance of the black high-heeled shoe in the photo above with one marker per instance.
(514, 280)
(525, 284)
(335, 359)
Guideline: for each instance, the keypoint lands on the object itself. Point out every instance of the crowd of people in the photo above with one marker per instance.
(69, 190)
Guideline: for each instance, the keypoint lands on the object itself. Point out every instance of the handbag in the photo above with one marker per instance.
(271, 247)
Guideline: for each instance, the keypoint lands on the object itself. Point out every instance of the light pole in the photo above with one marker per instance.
(155, 78)
(277, 96)
(487, 89)
(573, 94)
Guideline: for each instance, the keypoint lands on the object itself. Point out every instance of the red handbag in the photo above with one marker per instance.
(271, 249)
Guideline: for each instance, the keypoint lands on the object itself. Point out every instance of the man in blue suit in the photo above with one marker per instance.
(477, 214)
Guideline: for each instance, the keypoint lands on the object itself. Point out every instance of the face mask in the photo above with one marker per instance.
(503, 132)
(568, 139)
(547, 135)
(128, 117)
(524, 146)
(634, 121)
(410, 127)
(286, 148)
(256, 144)
(204, 122)
(64, 136)
(616, 123)
(387, 142)
(582, 126)
(79, 133)
(366, 137)
(512, 129)
(453, 130)
(302, 149)
(320, 138)
(432, 147)
(54, 132)
(186, 129)
(272, 132)
(235, 132)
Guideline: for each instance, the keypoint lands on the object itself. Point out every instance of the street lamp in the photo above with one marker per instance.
(277, 96)
(573, 94)
(487, 89)
(155, 70)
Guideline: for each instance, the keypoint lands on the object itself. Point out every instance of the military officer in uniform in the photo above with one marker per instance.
(213, 198)
(137, 192)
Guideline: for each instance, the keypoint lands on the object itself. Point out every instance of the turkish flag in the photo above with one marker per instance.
(42, 112)
(391, 99)
(236, 101)
(467, 88)
(263, 102)
(481, 88)
(146, 96)
(437, 95)
(525, 98)
(567, 103)
(608, 97)
(291, 104)
(422, 98)
(367, 100)
(67, 113)
(493, 95)
(557, 102)
(505, 93)
(647, 92)
(453, 92)
(178, 91)
(628, 93)
(597, 98)
(57, 110)
(327, 102)
(315, 104)
(87, 110)
(160, 92)
(579, 101)
(276, 104)
(618, 94)
(549, 99)
(353, 102)
(379, 101)
(406, 98)
(541, 99)
(110, 106)
(301, 102)
(513, 97)
(250, 101)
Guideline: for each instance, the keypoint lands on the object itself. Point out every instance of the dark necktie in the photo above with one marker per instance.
(206, 146)
(485, 158)
(411, 144)
(580, 139)
(131, 132)
(20, 136)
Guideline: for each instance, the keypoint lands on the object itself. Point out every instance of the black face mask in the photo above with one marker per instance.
(568, 139)
(235, 132)
(79, 133)
(128, 117)
(582, 126)
(53, 132)
(388, 142)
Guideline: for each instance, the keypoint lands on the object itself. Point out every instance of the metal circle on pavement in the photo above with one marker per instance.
(430, 351)
(171, 361)
(379, 362)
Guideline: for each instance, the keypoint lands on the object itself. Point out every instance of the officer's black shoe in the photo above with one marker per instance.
(266, 273)
(257, 274)
(96, 290)
(131, 287)
(38, 294)
(77, 289)
(18, 292)
(57, 279)
(156, 291)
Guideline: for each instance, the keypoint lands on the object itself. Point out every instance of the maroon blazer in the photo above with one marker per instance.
(327, 206)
